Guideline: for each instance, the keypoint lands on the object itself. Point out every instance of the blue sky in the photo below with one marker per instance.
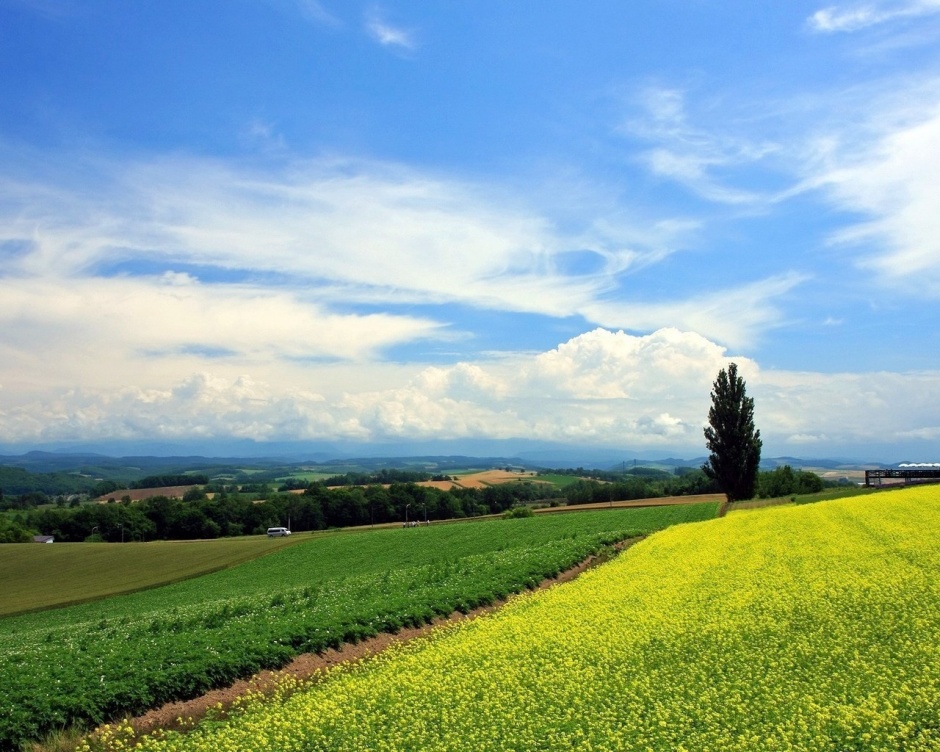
(404, 223)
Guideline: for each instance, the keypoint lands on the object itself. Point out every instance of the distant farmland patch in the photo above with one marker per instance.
(484, 478)
(137, 494)
(558, 479)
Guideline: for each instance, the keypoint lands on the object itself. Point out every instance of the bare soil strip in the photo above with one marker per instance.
(307, 665)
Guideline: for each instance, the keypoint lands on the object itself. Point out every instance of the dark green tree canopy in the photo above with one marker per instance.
(731, 437)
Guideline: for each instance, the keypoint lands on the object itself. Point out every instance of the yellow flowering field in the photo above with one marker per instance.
(788, 628)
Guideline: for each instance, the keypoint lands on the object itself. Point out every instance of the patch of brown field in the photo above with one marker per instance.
(138, 494)
(481, 479)
(182, 715)
(486, 478)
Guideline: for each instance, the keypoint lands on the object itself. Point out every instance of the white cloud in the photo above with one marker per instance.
(849, 18)
(315, 11)
(105, 333)
(693, 155)
(121, 318)
(847, 409)
(355, 232)
(151, 272)
(386, 34)
(692, 170)
(263, 136)
(159, 269)
(602, 364)
(734, 316)
(600, 388)
(891, 181)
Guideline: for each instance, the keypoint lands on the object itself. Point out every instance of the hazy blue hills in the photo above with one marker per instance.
(131, 466)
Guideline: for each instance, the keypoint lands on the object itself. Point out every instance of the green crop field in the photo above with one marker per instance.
(309, 476)
(804, 628)
(840, 492)
(35, 577)
(556, 479)
(92, 662)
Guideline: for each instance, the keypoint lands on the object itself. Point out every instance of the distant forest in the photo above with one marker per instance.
(232, 512)
(217, 509)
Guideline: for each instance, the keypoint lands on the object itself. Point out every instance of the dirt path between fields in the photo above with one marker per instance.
(306, 665)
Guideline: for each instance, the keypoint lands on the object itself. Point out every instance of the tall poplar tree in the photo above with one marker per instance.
(731, 438)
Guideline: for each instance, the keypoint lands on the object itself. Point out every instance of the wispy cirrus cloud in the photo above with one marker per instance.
(387, 34)
(312, 10)
(857, 16)
(888, 182)
(360, 232)
(689, 154)
(736, 317)
(272, 272)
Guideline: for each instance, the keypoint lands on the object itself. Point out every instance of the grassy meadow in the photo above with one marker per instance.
(558, 479)
(93, 662)
(34, 577)
(801, 628)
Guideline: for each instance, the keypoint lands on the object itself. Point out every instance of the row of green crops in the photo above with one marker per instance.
(790, 628)
(91, 663)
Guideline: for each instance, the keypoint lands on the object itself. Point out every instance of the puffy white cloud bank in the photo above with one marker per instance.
(601, 388)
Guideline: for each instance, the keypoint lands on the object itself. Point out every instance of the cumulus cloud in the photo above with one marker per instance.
(186, 298)
(600, 387)
(122, 283)
(201, 406)
(604, 388)
(604, 365)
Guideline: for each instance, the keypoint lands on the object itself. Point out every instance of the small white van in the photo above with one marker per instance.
(277, 532)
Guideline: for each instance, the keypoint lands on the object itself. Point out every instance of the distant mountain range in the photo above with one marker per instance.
(90, 462)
